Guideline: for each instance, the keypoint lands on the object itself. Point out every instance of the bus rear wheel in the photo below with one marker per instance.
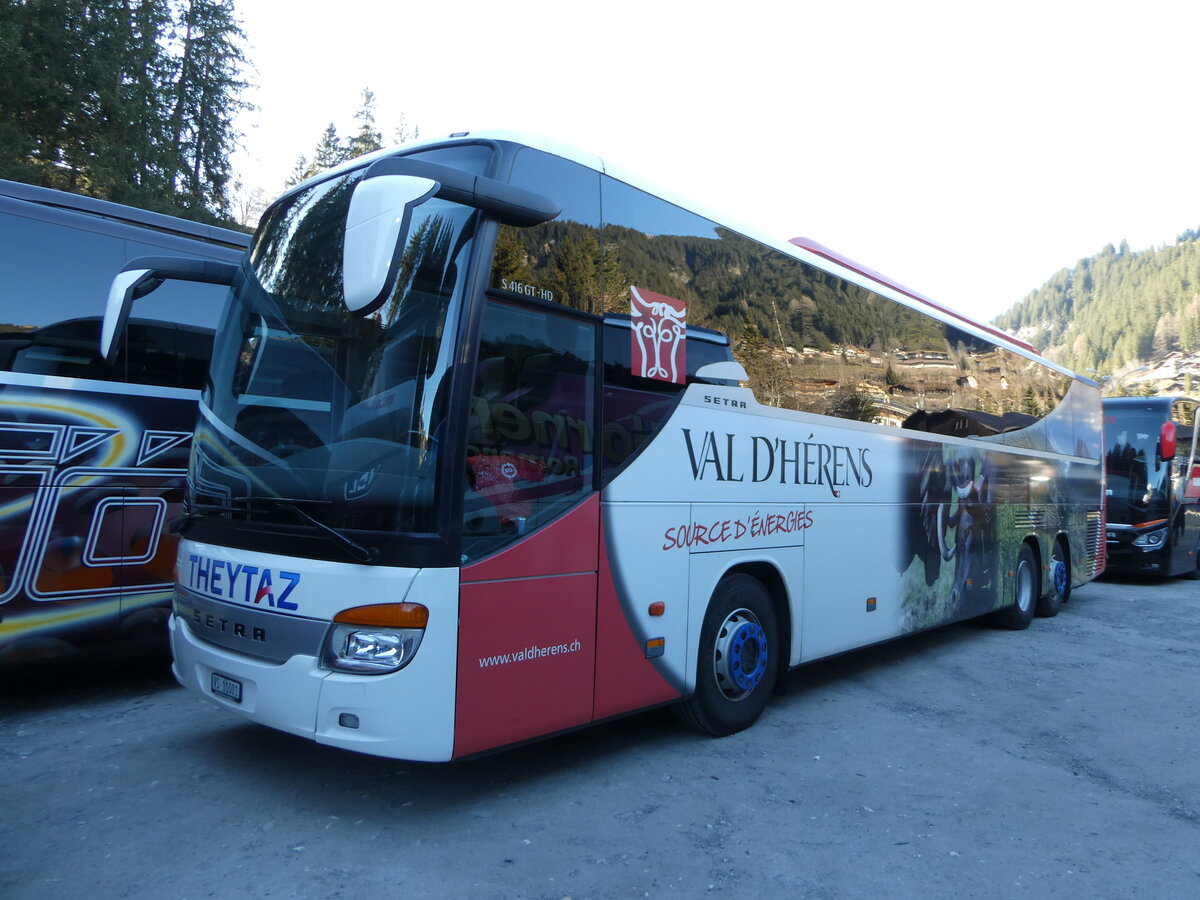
(1059, 589)
(1024, 593)
(736, 668)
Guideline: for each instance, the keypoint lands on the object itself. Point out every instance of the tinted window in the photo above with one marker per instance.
(58, 268)
(154, 353)
(634, 407)
(560, 260)
(530, 431)
(812, 341)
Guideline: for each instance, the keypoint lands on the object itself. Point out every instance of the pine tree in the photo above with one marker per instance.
(128, 100)
(204, 90)
(300, 171)
(368, 138)
(330, 150)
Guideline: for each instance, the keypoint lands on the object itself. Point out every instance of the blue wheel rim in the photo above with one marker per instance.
(1059, 572)
(740, 655)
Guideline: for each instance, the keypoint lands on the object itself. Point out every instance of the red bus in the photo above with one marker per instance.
(476, 462)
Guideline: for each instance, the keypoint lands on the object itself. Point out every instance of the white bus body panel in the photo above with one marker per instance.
(409, 713)
(828, 520)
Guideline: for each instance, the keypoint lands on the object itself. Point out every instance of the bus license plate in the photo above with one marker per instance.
(227, 687)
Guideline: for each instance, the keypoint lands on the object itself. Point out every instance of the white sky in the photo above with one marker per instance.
(968, 150)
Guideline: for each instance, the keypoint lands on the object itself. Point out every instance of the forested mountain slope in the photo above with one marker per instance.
(1118, 309)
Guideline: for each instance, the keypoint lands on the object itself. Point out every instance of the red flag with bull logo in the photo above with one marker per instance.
(659, 325)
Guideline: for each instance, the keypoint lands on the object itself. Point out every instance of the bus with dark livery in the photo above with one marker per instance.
(93, 453)
(1153, 486)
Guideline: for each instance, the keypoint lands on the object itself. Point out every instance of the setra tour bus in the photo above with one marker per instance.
(93, 453)
(1153, 485)
(476, 464)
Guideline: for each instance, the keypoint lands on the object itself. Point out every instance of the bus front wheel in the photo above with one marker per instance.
(1024, 593)
(737, 664)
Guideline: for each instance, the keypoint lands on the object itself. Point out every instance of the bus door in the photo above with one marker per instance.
(527, 599)
(1186, 527)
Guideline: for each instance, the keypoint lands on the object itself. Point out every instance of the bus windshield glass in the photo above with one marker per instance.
(313, 412)
(1136, 476)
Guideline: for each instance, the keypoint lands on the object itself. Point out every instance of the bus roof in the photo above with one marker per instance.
(143, 218)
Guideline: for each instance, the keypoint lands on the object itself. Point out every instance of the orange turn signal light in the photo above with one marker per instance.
(385, 615)
(657, 608)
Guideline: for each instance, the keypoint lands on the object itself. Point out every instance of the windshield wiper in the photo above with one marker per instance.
(353, 548)
(356, 550)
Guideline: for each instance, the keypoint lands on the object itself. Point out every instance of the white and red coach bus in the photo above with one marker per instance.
(469, 473)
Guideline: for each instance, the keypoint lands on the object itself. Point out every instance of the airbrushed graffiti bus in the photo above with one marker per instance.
(1153, 485)
(476, 463)
(93, 454)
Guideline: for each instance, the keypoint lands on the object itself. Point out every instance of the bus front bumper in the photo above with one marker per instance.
(384, 715)
(1134, 550)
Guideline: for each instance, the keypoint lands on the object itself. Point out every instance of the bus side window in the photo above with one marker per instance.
(530, 429)
(67, 349)
(557, 261)
(634, 408)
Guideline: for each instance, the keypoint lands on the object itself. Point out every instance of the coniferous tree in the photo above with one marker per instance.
(203, 88)
(368, 138)
(128, 100)
(330, 151)
(1117, 308)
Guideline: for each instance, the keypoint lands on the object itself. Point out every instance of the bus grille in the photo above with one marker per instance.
(1095, 539)
(1030, 518)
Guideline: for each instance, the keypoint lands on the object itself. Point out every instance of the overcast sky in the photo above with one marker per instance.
(967, 150)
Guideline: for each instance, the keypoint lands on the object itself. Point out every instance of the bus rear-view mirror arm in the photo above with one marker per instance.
(380, 216)
(141, 276)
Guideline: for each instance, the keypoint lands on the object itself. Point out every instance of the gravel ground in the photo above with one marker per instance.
(965, 762)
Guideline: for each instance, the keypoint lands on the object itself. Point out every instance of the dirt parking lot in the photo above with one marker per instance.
(967, 762)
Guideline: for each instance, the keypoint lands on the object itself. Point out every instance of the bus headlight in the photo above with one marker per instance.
(375, 640)
(1151, 540)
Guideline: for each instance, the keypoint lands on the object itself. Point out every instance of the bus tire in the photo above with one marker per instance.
(1025, 593)
(737, 669)
(1058, 591)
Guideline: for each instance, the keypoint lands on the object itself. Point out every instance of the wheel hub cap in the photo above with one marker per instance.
(740, 660)
(1060, 576)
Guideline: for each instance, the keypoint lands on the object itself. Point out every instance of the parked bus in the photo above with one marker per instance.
(1153, 485)
(93, 454)
(467, 473)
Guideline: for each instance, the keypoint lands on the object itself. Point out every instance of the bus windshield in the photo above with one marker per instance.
(1136, 476)
(312, 412)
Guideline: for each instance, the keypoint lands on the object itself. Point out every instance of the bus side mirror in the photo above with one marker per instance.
(728, 372)
(143, 275)
(1166, 441)
(380, 217)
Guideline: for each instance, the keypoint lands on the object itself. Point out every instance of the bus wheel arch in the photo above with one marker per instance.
(771, 579)
(1024, 588)
(738, 657)
(1057, 589)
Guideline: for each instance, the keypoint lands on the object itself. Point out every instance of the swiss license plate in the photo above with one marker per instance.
(227, 688)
